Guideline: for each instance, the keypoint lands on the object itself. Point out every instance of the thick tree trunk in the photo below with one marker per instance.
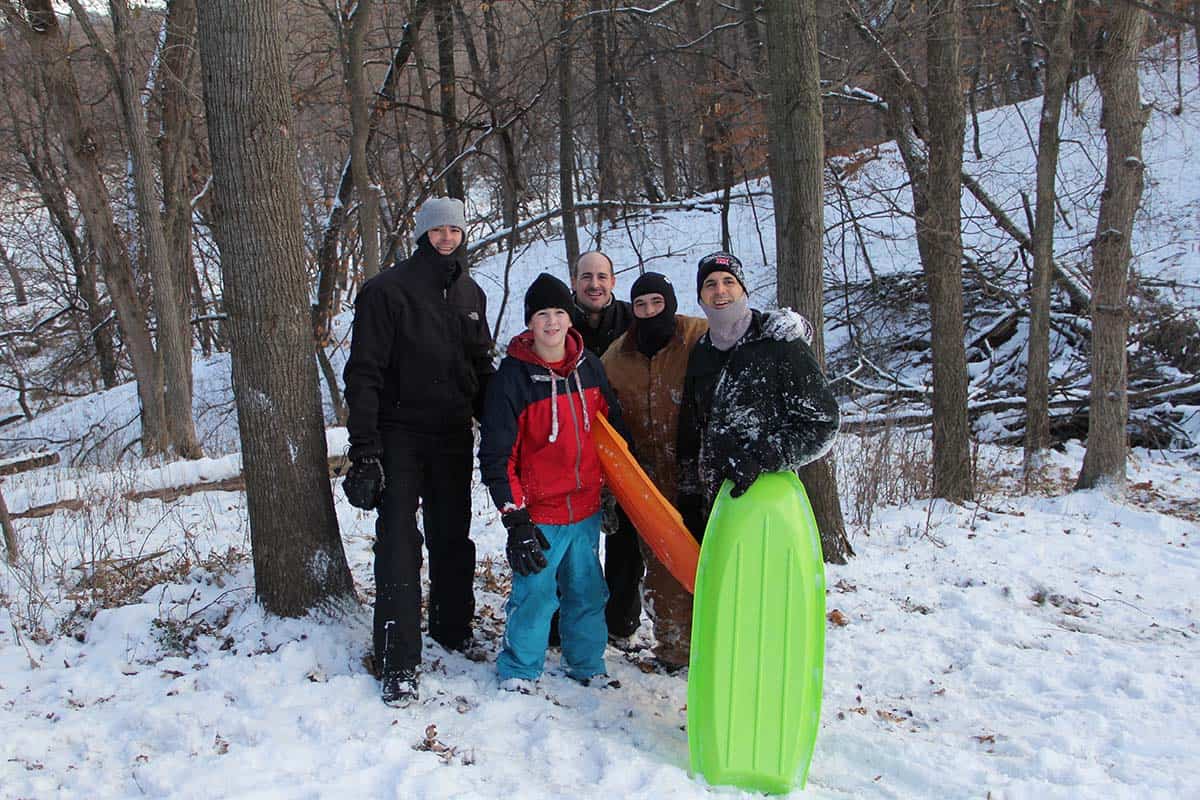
(1123, 118)
(939, 238)
(356, 87)
(444, 22)
(566, 142)
(45, 39)
(174, 329)
(797, 158)
(1037, 387)
(299, 562)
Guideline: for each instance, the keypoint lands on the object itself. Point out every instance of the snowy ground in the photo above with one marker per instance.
(1033, 647)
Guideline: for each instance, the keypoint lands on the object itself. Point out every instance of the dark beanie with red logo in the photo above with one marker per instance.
(720, 262)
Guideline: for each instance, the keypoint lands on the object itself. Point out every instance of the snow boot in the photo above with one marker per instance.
(398, 688)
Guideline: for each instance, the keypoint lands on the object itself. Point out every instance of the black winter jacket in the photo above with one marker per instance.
(421, 352)
(764, 399)
(615, 319)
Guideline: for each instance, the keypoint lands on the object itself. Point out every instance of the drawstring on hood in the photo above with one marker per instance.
(521, 347)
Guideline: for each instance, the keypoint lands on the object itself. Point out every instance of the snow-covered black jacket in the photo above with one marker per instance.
(421, 351)
(763, 399)
(536, 449)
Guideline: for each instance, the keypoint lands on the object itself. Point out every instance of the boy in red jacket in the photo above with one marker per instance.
(540, 464)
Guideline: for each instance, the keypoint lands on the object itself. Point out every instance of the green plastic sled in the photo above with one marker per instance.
(758, 639)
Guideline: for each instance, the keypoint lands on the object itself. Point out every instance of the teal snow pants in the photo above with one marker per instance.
(573, 580)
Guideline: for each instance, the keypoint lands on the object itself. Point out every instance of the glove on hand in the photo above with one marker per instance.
(525, 543)
(610, 521)
(743, 473)
(364, 483)
(785, 325)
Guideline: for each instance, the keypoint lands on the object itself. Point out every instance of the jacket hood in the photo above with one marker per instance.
(521, 348)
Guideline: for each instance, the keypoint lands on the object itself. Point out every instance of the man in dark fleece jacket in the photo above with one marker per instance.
(601, 319)
(420, 359)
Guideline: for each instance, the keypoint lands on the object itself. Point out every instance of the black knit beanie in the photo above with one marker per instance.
(655, 283)
(719, 262)
(546, 291)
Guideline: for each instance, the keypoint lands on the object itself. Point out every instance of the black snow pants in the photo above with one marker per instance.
(623, 571)
(432, 468)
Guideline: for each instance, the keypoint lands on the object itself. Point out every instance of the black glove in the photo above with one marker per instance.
(744, 471)
(610, 522)
(691, 508)
(364, 483)
(525, 543)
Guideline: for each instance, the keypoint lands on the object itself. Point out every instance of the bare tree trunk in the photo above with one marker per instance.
(1123, 118)
(44, 36)
(605, 181)
(662, 131)
(11, 552)
(174, 329)
(356, 87)
(1057, 43)
(14, 276)
(299, 562)
(939, 236)
(797, 158)
(444, 22)
(566, 141)
(175, 83)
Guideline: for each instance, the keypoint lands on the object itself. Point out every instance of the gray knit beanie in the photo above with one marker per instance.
(438, 211)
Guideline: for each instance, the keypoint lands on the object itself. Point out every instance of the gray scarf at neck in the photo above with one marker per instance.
(727, 325)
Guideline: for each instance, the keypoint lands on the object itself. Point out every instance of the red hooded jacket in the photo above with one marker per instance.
(536, 450)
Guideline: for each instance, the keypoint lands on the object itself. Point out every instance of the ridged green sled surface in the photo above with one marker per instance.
(758, 639)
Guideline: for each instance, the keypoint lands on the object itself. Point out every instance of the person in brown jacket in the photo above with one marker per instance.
(645, 367)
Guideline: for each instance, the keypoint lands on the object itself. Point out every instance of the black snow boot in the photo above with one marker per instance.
(398, 688)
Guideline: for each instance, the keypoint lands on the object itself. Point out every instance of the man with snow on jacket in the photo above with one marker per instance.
(540, 464)
(646, 368)
(420, 359)
(774, 411)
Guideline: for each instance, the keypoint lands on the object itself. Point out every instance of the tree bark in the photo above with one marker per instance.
(356, 87)
(605, 180)
(175, 82)
(174, 328)
(14, 275)
(299, 562)
(939, 239)
(45, 39)
(796, 152)
(566, 141)
(1123, 118)
(444, 22)
(1057, 43)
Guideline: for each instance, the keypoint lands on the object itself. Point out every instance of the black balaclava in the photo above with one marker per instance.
(653, 333)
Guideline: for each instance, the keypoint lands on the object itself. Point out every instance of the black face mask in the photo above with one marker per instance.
(653, 333)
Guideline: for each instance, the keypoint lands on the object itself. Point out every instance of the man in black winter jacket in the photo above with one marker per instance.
(602, 319)
(775, 410)
(420, 359)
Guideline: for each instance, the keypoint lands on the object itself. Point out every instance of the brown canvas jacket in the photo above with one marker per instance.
(650, 392)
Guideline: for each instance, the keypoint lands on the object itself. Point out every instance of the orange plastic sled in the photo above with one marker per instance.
(656, 520)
